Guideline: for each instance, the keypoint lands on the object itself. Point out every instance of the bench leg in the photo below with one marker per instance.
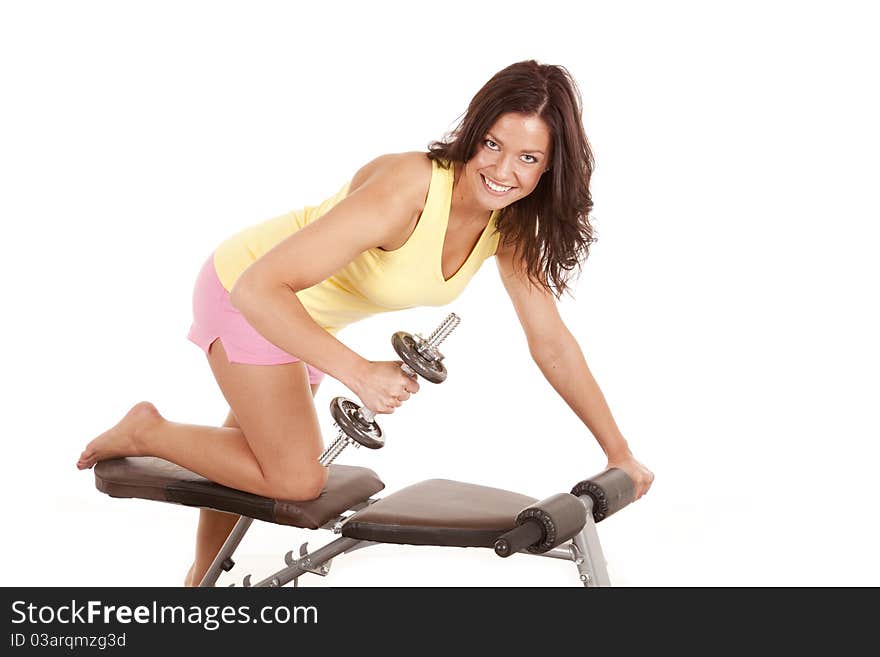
(591, 561)
(223, 560)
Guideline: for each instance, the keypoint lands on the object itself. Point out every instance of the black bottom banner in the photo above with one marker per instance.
(229, 620)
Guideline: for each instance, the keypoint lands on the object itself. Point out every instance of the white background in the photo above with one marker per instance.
(729, 310)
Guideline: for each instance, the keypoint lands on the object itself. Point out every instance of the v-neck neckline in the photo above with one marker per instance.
(445, 228)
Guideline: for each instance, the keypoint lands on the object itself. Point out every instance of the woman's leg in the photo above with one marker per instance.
(214, 527)
(274, 453)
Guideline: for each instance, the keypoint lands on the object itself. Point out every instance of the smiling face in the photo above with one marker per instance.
(509, 161)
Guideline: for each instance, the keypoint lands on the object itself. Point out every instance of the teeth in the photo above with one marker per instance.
(495, 187)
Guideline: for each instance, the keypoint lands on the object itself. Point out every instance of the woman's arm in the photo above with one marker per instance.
(560, 359)
(383, 199)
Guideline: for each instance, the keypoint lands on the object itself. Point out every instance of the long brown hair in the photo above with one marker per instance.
(550, 228)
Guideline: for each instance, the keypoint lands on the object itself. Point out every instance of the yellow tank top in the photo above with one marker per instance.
(376, 281)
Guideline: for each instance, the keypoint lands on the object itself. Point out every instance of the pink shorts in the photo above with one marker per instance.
(214, 317)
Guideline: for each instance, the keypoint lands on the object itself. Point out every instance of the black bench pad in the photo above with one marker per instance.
(152, 478)
(439, 512)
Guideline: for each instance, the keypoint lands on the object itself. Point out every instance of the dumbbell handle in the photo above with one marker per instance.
(519, 538)
(356, 424)
(366, 414)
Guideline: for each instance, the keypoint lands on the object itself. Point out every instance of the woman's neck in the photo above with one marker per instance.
(464, 206)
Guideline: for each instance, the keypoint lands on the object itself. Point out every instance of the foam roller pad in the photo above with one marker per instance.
(561, 516)
(610, 491)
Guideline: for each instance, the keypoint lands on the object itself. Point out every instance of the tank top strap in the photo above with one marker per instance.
(438, 202)
(430, 229)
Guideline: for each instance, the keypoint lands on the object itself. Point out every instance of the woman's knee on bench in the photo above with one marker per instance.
(300, 483)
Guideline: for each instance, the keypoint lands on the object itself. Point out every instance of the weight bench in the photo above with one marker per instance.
(432, 512)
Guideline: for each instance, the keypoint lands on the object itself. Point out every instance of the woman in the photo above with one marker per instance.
(409, 229)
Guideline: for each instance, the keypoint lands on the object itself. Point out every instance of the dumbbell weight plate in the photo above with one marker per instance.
(348, 419)
(406, 347)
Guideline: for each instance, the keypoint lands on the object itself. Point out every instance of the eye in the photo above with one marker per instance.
(491, 145)
(532, 159)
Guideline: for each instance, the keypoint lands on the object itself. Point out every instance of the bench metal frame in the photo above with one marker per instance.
(584, 550)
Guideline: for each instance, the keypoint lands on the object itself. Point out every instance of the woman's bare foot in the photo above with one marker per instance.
(122, 439)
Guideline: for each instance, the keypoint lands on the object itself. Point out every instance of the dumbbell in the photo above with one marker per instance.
(356, 424)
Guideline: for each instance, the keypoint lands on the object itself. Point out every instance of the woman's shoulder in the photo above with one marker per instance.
(406, 175)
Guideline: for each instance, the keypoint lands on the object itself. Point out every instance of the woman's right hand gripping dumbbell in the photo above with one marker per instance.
(382, 386)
